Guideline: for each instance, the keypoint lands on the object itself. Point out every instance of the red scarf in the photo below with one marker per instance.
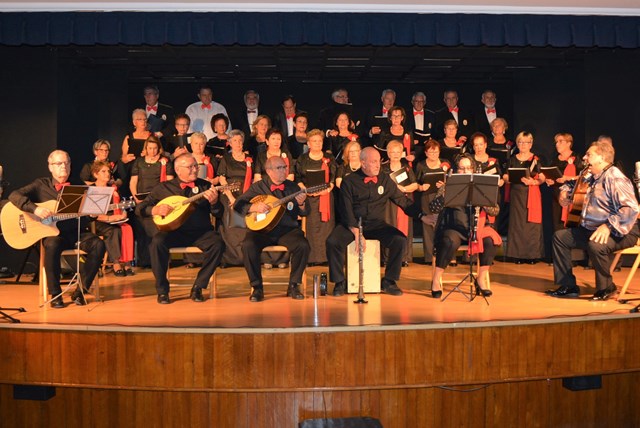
(484, 231)
(570, 171)
(163, 169)
(248, 174)
(534, 201)
(126, 242)
(207, 162)
(325, 198)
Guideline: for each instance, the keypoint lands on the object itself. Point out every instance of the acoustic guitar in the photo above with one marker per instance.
(22, 229)
(183, 207)
(270, 219)
(577, 197)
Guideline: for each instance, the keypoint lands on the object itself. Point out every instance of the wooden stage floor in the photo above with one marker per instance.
(130, 303)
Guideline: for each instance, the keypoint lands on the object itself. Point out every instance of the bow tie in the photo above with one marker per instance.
(491, 110)
(184, 185)
(152, 108)
(290, 116)
(451, 110)
(418, 113)
(250, 111)
(59, 186)
(205, 106)
(371, 179)
(278, 187)
(385, 111)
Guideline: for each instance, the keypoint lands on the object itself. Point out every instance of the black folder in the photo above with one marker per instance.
(516, 174)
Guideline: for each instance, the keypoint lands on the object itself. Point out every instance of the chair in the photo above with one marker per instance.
(213, 281)
(283, 249)
(631, 250)
(42, 283)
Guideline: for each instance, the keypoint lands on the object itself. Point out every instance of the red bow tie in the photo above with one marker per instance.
(205, 106)
(290, 116)
(59, 186)
(278, 187)
(370, 179)
(491, 110)
(451, 110)
(152, 108)
(250, 111)
(385, 111)
(418, 113)
(185, 185)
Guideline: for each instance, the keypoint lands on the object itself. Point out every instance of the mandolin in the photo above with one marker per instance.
(268, 220)
(182, 208)
(22, 229)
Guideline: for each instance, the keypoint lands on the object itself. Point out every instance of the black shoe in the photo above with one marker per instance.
(294, 292)
(518, 261)
(564, 292)
(57, 303)
(196, 294)
(120, 272)
(390, 287)
(405, 264)
(436, 294)
(483, 291)
(339, 289)
(257, 295)
(78, 298)
(602, 295)
(163, 299)
(129, 272)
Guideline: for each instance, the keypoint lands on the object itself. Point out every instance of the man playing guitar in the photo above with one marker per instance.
(286, 232)
(196, 230)
(47, 189)
(607, 224)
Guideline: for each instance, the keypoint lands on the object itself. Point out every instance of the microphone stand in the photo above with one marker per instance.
(360, 299)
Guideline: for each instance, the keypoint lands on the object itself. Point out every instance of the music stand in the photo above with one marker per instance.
(79, 201)
(471, 191)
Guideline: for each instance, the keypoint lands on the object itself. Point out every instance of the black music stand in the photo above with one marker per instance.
(80, 201)
(471, 191)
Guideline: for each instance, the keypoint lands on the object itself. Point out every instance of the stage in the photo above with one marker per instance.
(409, 360)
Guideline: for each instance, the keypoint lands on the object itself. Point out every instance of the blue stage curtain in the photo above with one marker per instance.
(139, 28)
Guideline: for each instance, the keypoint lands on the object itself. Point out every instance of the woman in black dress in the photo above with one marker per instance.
(297, 143)
(524, 238)
(132, 145)
(101, 150)
(321, 219)
(401, 172)
(274, 148)
(235, 167)
(450, 145)
(219, 144)
(396, 131)
(501, 148)
(485, 164)
(338, 137)
(257, 141)
(431, 165)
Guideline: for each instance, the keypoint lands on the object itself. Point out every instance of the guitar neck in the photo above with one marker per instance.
(287, 198)
(200, 195)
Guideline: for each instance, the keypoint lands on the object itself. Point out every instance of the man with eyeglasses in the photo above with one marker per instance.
(488, 112)
(47, 189)
(287, 232)
(196, 231)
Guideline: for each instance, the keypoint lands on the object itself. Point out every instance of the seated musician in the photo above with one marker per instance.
(47, 189)
(196, 230)
(452, 229)
(607, 224)
(287, 232)
(365, 194)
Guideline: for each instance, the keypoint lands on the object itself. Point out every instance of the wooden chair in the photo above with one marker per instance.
(285, 280)
(213, 281)
(631, 250)
(42, 283)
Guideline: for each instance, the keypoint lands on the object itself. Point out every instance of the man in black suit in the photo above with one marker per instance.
(283, 119)
(463, 117)
(287, 232)
(48, 189)
(486, 114)
(420, 122)
(374, 121)
(159, 116)
(244, 118)
(196, 230)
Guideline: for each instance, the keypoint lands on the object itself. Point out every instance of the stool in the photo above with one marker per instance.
(213, 281)
(283, 249)
(631, 250)
(371, 264)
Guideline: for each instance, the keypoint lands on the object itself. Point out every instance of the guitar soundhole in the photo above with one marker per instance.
(22, 224)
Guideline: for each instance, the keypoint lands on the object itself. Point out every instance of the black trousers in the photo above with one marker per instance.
(451, 240)
(292, 238)
(389, 237)
(112, 240)
(601, 255)
(55, 245)
(209, 242)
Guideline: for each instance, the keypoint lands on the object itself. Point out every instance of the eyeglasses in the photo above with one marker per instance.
(59, 164)
(193, 166)
(279, 168)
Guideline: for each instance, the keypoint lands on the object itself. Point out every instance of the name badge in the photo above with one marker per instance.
(380, 190)
(290, 206)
